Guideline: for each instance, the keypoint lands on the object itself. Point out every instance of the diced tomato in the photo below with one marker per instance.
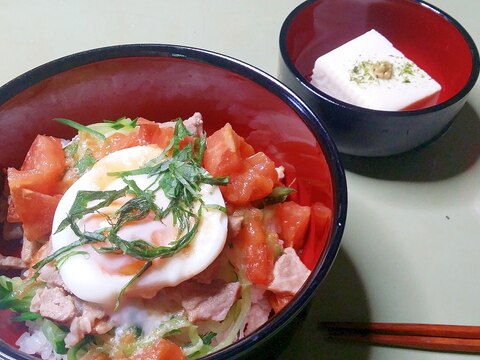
(257, 256)
(319, 231)
(252, 175)
(254, 182)
(278, 301)
(42, 169)
(119, 141)
(293, 220)
(225, 152)
(143, 121)
(150, 133)
(35, 188)
(271, 226)
(35, 210)
(161, 349)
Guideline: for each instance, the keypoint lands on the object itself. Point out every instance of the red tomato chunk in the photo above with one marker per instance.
(38, 182)
(257, 256)
(252, 175)
(293, 221)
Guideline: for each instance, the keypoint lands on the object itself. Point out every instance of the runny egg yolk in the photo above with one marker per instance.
(99, 277)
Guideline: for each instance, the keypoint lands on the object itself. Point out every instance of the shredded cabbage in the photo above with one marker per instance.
(237, 315)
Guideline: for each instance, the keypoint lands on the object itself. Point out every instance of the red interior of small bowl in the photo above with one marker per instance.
(162, 89)
(426, 37)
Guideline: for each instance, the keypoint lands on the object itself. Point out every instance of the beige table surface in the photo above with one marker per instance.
(411, 249)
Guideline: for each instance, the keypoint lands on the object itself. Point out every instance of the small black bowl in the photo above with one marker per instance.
(167, 81)
(424, 33)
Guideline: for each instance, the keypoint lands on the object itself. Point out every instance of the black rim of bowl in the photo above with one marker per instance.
(42, 72)
(318, 93)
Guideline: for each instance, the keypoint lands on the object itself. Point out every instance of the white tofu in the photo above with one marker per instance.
(351, 73)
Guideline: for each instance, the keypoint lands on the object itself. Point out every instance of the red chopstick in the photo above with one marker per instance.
(454, 338)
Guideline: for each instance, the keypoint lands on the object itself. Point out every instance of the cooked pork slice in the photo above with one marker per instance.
(50, 275)
(30, 250)
(289, 273)
(210, 273)
(210, 302)
(11, 262)
(194, 124)
(259, 310)
(54, 304)
(90, 321)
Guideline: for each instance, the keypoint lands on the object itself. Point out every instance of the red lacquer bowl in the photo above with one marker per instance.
(428, 36)
(163, 82)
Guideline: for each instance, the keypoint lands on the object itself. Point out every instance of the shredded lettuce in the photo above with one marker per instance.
(174, 326)
(230, 328)
(237, 317)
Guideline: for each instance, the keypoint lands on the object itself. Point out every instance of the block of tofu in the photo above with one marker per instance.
(369, 72)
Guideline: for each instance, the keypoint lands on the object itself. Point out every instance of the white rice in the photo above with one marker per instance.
(33, 342)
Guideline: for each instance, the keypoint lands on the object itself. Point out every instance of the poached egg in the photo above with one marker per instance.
(99, 277)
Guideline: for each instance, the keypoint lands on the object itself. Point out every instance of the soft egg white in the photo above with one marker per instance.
(97, 277)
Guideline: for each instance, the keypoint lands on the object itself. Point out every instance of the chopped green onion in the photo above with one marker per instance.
(16, 295)
(279, 194)
(123, 124)
(73, 351)
(85, 163)
(55, 335)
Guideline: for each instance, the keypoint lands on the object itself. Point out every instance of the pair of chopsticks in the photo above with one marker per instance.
(451, 338)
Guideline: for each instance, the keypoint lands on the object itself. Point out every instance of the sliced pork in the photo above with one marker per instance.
(50, 275)
(89, 321)
(11, 262)
(259, 310)
(210, 302)
(289, 273)
(54, 304)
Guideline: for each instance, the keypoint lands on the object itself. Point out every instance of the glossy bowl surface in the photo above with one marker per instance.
(163, 82)
(428, 36)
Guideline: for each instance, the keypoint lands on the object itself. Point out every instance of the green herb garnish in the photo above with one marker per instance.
(81, 127)
(362, 72)
(408, 68)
